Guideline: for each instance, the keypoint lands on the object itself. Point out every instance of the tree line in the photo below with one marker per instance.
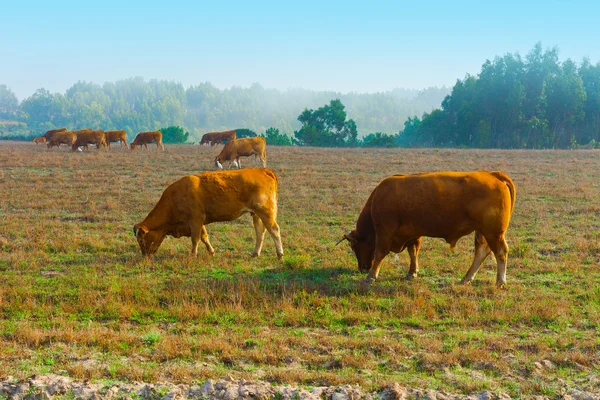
(136, 105)
(514, 102)
(532, 103)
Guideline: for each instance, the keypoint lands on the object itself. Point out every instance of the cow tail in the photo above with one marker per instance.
(272, 175)
(511, 187)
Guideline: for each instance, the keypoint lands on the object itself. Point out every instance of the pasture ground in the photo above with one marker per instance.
(77, 298)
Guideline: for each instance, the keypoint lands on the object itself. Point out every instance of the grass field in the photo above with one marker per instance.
(76, 296)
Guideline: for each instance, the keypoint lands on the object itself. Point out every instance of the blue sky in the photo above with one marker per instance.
(365, 46)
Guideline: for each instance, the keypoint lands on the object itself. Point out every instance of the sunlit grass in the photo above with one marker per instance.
(77, 296)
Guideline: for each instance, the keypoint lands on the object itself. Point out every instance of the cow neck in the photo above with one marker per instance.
(364, 224)
(159, 217)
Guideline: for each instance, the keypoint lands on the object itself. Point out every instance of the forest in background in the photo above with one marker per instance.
(530, 102)
(533, 102)
(137, 105)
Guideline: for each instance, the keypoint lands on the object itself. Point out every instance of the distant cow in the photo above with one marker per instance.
(116, 136)
(448, 205)
(63, 137)
(214, 138)
(40, 139)
(194, 201)
(51, 132)
(96, 137)
(233, 150)
(143, 138)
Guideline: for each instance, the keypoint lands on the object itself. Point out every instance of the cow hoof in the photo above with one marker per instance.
(369, 280)
(465, 282)
(280, 257)
(410, 277)
(254, 254)
(501, 285)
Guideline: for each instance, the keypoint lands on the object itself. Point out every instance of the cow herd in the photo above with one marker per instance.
(400, 211)
(80, 139)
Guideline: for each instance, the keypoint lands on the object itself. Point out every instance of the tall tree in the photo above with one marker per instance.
(590, 76)
(174, 134)
(566, 97)
(326, 126)
(9, 103)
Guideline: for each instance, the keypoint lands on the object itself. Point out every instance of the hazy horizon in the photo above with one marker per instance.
(331, 46)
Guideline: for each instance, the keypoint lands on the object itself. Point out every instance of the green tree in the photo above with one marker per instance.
(42, 110)
(379, 139)
(174, 134)
(590, 76)
(244, 133)
(566, 97)
(326, 126)
(9, 104)
(273, 137)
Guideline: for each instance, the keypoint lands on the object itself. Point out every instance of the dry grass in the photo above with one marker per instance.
(76, 295)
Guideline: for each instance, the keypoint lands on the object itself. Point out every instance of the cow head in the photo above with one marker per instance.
(149, 241)
(132, 146)
(218, 163)
(363, 250)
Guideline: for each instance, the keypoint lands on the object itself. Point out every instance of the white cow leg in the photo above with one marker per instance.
(482, 250)
(204, 237)
(501, 253)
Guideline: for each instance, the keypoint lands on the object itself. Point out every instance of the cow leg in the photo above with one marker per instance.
(482, 250)
(204, 238)
(195, 233)
(260, 230)
(500, 249)
(269, 222)
(413, 248)
(239, 164)
(382, 249)
(198, 232)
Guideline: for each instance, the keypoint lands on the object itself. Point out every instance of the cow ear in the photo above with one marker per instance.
(137, 230)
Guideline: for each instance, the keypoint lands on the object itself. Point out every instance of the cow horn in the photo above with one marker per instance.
(341, 240)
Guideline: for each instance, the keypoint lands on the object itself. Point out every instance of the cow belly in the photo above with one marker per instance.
(224, 217)
(449, 230)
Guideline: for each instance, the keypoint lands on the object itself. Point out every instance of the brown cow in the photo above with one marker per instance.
(448, 205)
(143, 138)
(214, 138)
(51, 132)
(116, 136)
(233, 150)
(40, 139)
(194, 201)
(85, 138)
(59, 138)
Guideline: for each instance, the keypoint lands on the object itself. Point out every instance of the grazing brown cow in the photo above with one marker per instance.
(40, 139)
(85, 138)
(214, 138)
(51, 132)
(194, 201)
(116, 136)
(63, 137)
(143, 138)
(233, 150)
(448, 205)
